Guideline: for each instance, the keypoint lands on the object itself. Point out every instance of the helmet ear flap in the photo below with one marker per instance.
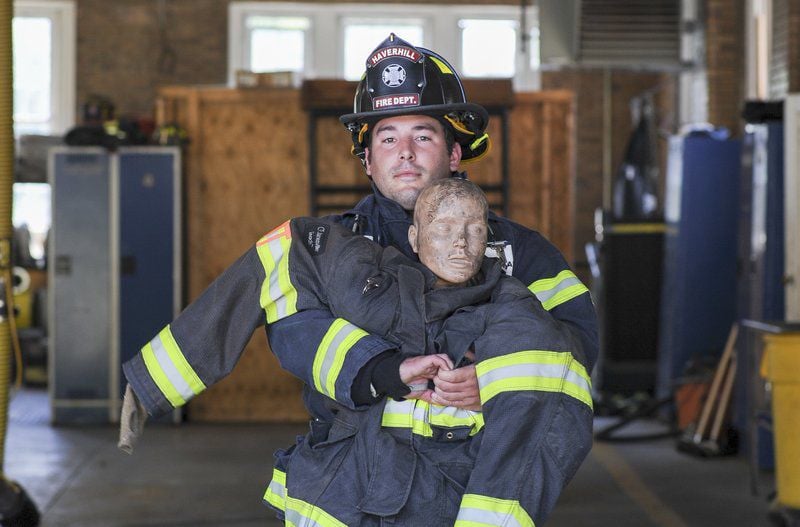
(359, 137)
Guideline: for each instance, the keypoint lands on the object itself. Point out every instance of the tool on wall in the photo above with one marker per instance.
(16, 508)
(706, 439)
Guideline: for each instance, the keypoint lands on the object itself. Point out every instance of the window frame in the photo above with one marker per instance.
(327, 21)
(63, 41)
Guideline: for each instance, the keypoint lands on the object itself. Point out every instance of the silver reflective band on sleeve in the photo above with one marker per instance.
(553, 292)
(276, 491)
(170, 371)
(301, 514)
(477, 510)
(331, 354)
(467, 516)
(534, 370)
(279, 300)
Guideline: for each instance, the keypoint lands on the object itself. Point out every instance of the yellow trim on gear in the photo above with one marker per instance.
(442, 66)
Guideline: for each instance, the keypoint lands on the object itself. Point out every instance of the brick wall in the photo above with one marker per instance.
(589, 85)
(725, 61)
(123, 54)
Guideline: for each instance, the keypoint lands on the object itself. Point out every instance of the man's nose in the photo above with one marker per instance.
(406, 151)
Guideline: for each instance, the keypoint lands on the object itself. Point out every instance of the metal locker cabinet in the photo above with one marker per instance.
(81, 299)
(149, 245)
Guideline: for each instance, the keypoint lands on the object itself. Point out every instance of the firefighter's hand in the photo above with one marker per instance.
(458, 387)
(415, 372)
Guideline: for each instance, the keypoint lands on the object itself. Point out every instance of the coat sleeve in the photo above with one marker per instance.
(545, 272)
(537, 409)
(204, 343)
(307, 330)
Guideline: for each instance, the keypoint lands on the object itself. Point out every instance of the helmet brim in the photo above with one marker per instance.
(478, 112)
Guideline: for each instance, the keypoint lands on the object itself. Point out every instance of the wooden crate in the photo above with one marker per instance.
(246, 171)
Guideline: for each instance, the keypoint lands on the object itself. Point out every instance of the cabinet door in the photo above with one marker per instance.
(149, 245)
(80, 269)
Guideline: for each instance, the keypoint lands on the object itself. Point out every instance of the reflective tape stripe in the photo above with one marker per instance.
(276, 491)
(419, 416)
(328, 361)
(477, 510)
(278, 295)
(552, 292)
(301, 514)
(170, 370)
(547, 371)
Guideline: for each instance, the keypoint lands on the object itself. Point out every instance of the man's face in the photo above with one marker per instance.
(450, 238)
(406, 153)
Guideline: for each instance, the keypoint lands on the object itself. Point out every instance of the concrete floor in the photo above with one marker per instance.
(214, 475)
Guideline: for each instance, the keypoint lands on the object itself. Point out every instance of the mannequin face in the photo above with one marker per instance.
(449, 235)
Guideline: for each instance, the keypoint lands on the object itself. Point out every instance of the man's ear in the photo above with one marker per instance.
(455, 157)
(367, 168)
(412, 237)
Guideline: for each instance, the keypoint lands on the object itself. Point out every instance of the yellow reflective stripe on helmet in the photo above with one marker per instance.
(535, 370)
(329, 359)
(552, 292)
(477, 510)
(278, 295)
(276, 491)
(301, 514)
(170, 370)
(420, 416)
(476, 143)
(442, 66)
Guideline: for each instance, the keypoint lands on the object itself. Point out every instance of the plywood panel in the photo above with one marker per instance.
(246, 173)
(542, 170)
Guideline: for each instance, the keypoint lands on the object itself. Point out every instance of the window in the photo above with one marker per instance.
(488, 47)
(479, 40)
(276, 43)
(43, 36)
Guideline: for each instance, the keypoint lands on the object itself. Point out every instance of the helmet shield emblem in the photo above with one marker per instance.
(395, 75)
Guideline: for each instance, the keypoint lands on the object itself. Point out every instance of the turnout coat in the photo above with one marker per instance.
(400, 462)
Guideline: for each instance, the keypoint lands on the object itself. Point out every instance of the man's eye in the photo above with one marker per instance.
(388, 140)
(423, 138)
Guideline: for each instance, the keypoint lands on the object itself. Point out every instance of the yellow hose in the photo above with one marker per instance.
(6, 182)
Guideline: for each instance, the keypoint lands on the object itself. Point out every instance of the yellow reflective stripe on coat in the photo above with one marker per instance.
(278, 295)
(276, 491)
(170, 370)
(477, 510)
(301, 514)
(329, 359)
(547, 371)
(552, 292)
(420, 416)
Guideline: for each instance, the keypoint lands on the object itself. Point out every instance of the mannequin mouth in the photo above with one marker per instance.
(459, 261)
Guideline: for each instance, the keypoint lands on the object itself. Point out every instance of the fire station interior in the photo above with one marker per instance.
(654, 143)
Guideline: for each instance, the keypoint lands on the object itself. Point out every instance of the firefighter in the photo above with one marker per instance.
(411, 126)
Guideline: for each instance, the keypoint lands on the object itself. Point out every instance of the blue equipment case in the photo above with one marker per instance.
(699, 291)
